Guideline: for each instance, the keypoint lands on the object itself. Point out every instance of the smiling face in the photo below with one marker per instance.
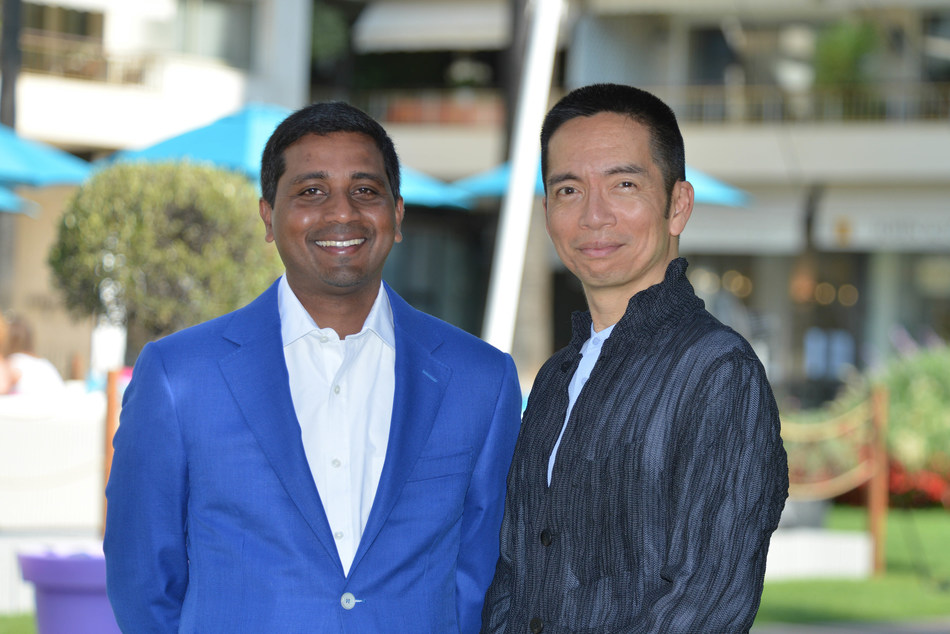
(607, 210)
(334, 218)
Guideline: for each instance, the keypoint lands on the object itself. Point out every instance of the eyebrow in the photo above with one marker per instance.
(376, 178)
(560, 178)
(300, 178)
(629, 168)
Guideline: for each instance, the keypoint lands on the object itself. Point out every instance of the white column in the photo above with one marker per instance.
(510, 244)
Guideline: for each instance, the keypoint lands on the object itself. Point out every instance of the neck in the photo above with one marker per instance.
(606, 306)
(609, 304)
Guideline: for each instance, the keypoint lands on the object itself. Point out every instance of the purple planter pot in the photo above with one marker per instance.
(70, 593)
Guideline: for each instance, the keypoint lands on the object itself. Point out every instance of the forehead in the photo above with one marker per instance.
(329, 152)
(599, 134)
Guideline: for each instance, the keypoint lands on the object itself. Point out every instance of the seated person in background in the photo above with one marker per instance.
(36, 374)
(7, 375)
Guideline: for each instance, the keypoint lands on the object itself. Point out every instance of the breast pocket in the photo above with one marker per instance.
(430, 467)
(435, 490)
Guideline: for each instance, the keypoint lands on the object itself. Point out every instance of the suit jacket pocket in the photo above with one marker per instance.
(429, 467)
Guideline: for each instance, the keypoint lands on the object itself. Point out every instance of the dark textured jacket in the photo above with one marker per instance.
(668, 483)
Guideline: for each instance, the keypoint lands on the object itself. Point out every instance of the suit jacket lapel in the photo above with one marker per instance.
(257, 374)
(420, 386)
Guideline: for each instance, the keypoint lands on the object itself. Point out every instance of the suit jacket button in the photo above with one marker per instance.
(546, 537)
(536, 626)
(348, 601)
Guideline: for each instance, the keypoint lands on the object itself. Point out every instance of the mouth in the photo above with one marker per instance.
(598, 248)
(339, 244)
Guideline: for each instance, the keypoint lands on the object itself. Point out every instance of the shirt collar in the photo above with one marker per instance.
(601, 336)
(296, 322)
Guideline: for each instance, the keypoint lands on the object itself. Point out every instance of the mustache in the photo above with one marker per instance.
(342, 231)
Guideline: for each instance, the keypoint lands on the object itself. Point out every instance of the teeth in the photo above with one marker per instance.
(340, 243)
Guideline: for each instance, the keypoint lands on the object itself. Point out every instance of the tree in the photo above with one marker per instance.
(842, 53)
(161, 246)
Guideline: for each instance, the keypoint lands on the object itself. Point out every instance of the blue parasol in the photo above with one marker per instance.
(233, 142)
(421, 189)
(493, 183)
(237, 141)
(12, 203)
(25, 162)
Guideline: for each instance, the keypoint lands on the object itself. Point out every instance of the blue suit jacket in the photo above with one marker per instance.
(214, 522)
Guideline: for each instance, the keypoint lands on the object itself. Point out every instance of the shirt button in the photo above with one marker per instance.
(536, 626)
(336, 389)
(338, 535)
(546, 539)
(324, 339)
(335, 463)
(348, 601)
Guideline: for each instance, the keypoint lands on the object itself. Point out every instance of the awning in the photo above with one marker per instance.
(773, 224)
(858, 219)
(432, 26)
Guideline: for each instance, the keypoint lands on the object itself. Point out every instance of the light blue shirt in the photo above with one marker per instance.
(590, 352)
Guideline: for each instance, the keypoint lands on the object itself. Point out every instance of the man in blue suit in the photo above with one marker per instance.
(327, 458)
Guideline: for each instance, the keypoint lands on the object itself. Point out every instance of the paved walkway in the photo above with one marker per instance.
(941, 626)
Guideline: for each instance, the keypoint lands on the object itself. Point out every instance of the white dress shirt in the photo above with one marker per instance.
(590, 352)
(343, 396)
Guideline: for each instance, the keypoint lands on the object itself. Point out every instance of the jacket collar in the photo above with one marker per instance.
(650, 311)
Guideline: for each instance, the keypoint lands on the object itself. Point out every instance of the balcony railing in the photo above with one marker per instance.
(79, 57)
(446, 107)
(909, 101)
(709, 104)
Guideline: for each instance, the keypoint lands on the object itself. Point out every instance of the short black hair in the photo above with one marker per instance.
(666, 141)
(323, 119)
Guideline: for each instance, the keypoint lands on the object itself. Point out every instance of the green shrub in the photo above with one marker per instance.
(918, 429)
(161, 246)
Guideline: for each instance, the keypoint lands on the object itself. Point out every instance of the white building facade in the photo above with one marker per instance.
(100, 75)
(833, 116)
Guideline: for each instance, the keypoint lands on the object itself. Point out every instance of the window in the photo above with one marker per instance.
(219, 29)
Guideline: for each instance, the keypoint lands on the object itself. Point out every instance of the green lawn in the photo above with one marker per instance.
(916, 584)
(20, 624)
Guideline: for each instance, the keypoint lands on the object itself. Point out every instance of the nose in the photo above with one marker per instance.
(597, 211)
(341, 208)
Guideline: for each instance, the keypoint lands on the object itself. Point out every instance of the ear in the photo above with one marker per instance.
(681, 207)
(400, 214)
(266, 213)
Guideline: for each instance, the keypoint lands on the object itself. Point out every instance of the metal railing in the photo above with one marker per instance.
(432, 106)
(909, 101)
(79, 57)
(906, 101)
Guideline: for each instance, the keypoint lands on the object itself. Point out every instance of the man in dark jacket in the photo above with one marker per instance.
(649, 473)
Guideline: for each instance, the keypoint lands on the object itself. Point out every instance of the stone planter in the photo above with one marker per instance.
(804, 514)
(70, 593)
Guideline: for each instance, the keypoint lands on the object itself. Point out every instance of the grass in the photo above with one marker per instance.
(916, 585)
(18, 624)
